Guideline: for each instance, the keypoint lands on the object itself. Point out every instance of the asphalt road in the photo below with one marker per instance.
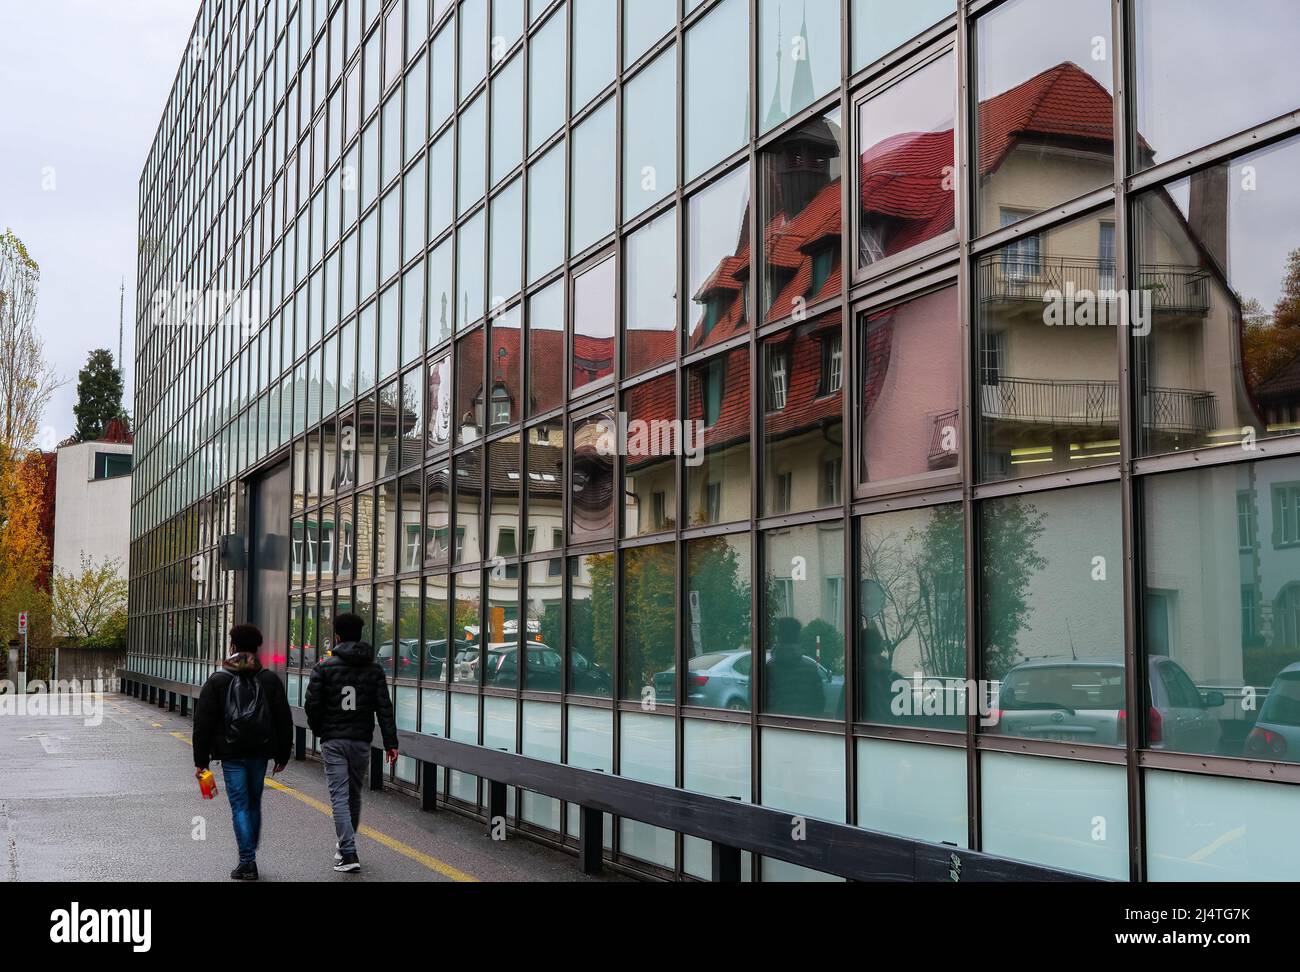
(119, 802)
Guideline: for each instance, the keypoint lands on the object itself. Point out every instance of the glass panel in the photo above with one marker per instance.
(717, 108)
(650, 134)
(1184, 102)
(507, 119)
(545, 346)
(1056, 812)
(591, 625)
(546, 214)
(1045, 106)
(411, 419)
(469, 271)
(433, 712)
(440, 408)
(1222, 610)
(436, 620)
(467, 629)
(913, 791)
(1217, 302)
(595, 48)
(647, 752)
(442, 77)
(717, 476)
(502, 637)
(592, 478)
(717, 635)
(473, 44)
(717, 249)
(879, 26)
(546, 82)
(650, 298)
(469, 500)
(911, 377)
(803, 417)
(911, 651)
(506, 245)
(592, 173)
(1048, 392)
(644, 22)
(716, 760)
(440, 295)
(541, 740)
(799, 56)
(654, 440)
(594, 314)
(545, 488)
(803, 626)
(803, 773)
(649, 617)
(1052, 615)
(440, 184)
(800, 213)
(906, 176)
(1253, 821)
(471, 178)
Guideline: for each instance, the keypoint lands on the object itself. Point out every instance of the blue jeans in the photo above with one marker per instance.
(245, 779)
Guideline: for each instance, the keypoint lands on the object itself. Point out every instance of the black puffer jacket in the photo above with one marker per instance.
(334, 712)
(210, 713)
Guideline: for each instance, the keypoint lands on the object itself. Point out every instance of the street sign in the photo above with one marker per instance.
(22, 622)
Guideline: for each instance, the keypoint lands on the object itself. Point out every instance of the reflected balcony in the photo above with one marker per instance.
(1007, 279)
(1092, 405)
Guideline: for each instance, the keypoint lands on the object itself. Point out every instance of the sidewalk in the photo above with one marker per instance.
(119, 802)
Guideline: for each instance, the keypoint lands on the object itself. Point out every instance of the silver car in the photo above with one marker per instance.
(1276, 734)
(1083, 702)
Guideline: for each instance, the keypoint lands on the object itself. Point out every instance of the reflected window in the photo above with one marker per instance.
(803, 623)
(545, 347)
(1048, 390)
(593, 326)
(1215, 341)
(650, 297)
(592, 478)
(440, 405)
(911, 378)
(1045, 124)
(801, 219)
(1052, 616)
(717, 254)
(906, 175)
(545, 445)
(654, 440)
(911, 636)
(718, 416)
(718, 634)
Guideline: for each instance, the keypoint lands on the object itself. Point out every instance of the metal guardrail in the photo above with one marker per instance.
(731, 827)
(1095, 404)
(1173, 287)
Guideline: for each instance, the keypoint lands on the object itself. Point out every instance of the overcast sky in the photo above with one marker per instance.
(84, 85)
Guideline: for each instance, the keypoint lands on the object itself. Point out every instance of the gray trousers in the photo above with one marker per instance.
(346, 764)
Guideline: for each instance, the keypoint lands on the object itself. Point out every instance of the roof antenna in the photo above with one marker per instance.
(121, 329)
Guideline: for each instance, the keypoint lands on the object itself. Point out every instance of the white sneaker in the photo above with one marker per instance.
(338, 854)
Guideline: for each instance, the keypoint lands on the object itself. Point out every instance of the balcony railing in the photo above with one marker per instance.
(943, 437)
(1094, 404)
(1172, 287)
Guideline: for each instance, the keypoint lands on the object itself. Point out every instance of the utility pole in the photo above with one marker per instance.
(121, 330)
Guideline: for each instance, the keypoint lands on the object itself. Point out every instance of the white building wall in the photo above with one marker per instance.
(92, 517)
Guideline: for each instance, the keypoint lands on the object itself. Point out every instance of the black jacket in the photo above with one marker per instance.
(335, 713)
(210, 713)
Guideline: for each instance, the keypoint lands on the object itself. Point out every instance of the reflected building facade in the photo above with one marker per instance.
(959, 496)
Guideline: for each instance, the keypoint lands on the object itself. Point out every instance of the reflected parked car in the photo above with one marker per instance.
(1082, 701)
(1276, 735)
(715, 681)
(408, 657)
(721, 680)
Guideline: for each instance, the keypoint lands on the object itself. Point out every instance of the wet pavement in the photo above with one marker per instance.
(119, 802)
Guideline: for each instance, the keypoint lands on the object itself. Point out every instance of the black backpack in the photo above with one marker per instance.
(248, 716)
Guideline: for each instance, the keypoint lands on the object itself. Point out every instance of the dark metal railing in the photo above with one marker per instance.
(1094, 404)
(946, 428)
(1006, 277)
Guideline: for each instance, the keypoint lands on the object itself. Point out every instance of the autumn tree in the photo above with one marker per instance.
(1270, 342)
(89, 605)
(99, 396)
(23, 549)
(26, 379)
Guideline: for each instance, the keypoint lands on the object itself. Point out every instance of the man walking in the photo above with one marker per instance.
(347, 694)
(242, 719)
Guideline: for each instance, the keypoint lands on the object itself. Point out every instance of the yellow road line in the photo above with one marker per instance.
(392, 843)
(1221, 841)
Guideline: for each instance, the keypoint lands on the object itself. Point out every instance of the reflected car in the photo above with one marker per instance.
(408, 658)
(715, 681)
(721, 680)
(1276, 734)
(1082, 701)
(544, 668)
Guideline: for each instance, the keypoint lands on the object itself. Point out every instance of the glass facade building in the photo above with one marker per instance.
(982, 523)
